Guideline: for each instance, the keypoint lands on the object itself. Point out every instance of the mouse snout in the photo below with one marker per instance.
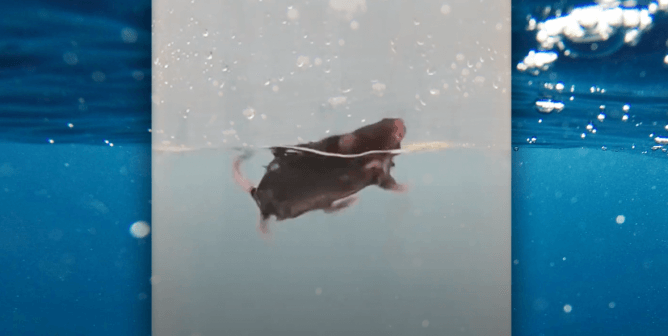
(399, 129)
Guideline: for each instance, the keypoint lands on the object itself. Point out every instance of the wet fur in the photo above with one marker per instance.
(298, 182)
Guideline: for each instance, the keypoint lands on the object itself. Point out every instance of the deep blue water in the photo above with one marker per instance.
(78, 75)
(576, 269)
(75, 79)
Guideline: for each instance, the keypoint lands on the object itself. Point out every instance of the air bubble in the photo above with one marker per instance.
(293, 13)
(129, 35)
(445, 10)
(140, 229)
(249, 113)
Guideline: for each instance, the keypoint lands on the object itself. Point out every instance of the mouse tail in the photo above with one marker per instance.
(238, 177)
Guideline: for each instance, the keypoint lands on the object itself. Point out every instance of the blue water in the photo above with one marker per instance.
(576, 269)
(74, 80)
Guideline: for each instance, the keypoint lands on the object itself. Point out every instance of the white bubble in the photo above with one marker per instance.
(611, 304)
(342, 42)
(620, 219)
(249, 113)
(547, 106)
(129, 35)
(318, 291)
(303, 61)
(140, 229)
(378, 88)
(568, 308)
(425, 323)
(70, 58)
(336, 101)
(445, 9)
(354, 25)
(293, 13)
(98, 76)
(138, 75)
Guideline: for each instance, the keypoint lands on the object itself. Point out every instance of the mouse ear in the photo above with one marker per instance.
(277, 151)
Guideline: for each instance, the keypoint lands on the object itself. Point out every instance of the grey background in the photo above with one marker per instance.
(434, 261)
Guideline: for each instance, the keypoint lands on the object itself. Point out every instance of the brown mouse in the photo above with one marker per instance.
(297, 181)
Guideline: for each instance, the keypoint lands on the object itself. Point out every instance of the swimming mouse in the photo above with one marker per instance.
(326, 174)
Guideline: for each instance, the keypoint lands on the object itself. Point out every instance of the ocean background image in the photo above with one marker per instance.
(590, 194)
(75, 169)
(71, 266)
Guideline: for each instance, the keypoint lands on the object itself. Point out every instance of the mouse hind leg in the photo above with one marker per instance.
(341, 204)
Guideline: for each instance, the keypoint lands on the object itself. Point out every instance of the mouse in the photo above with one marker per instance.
(327, 174)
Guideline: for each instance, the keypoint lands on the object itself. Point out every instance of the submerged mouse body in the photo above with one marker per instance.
(327, 174)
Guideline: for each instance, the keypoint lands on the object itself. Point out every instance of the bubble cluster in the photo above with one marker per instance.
(590, 31)
(537, 60)
(547, 106)
(378, 88)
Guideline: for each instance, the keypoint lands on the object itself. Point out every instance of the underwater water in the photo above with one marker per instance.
(589, 181)
(434, 260)
(75, 169)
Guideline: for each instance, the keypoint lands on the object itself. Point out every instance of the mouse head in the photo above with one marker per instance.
(383, 135)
